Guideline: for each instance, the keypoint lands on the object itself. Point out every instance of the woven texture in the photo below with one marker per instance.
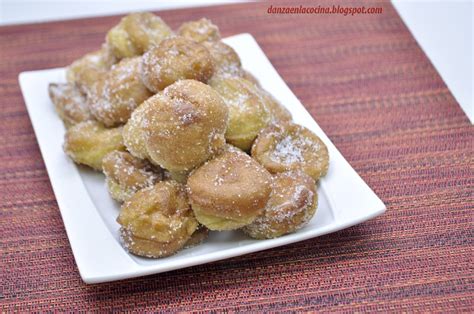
(375, 94)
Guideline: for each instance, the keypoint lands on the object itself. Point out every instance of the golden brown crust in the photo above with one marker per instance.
(157, 221)
(88, 142)
(116, 94)
(134, 135)
(229, 191)
(249, 77)
(175, 59)
(202, 30)
(277, 111)
(125, 174)
(288, 146)
(85, 71)
(70, 103)
(180, 128)
(149, 248)
(136, 33)
(248, 111)
(226, 60)
(292, 204)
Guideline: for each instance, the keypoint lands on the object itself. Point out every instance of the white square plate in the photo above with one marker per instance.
(89, 213)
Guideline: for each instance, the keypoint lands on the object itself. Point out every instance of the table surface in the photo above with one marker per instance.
(375, 94)
(443, 29)
(445, 32)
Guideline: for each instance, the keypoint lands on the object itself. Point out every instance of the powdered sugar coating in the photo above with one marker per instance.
(292, 204)
(226, 60)
(137, 33)
(134, 135)
(88, 142)
(248, 111)
(229, 191)
(175, 59)
(85, 71)
(288, 151)
(288, 146)
(157, 221)
(202, 30)
(179, 128)
(114, 97)
(70, 103)
(126, 174)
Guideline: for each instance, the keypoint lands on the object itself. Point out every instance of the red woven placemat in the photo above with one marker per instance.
(375, 94)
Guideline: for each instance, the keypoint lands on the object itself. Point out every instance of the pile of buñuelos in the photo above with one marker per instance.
(187, 139)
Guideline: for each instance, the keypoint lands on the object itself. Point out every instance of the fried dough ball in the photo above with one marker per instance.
(278, 112)
(134, 133)
(137, 33)
(118, 93)
(248, 111)
(180, 128)
(157, 221)
(70, 103)
(288, 146)
(88, 142)
(249, 77)
(226, 60)
(85, 71)
(175, 59)
(230, 191)
(200, 31)
(125, 174)
(292, 204)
